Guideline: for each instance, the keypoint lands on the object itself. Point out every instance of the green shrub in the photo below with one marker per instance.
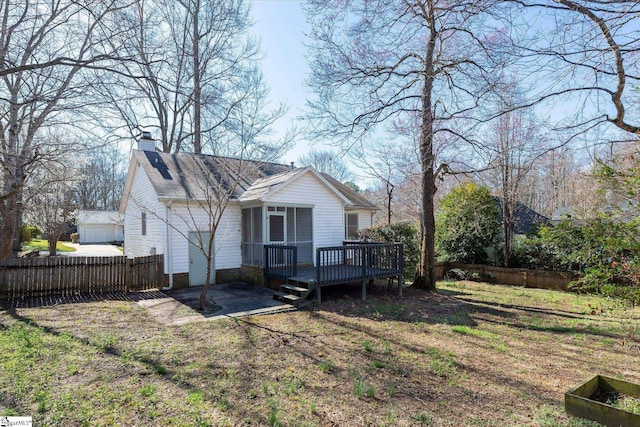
(400, 232)
(535, 253)
(29, 232)
(605, 251)
(467, 225)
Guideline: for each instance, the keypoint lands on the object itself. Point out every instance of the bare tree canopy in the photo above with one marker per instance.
(585, 54)
(101, 179)
(202, 89)
(328, 162)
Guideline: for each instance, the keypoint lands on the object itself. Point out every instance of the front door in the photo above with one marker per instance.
(198, 247)
(277, 231)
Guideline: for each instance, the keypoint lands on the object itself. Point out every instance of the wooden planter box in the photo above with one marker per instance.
(580, 402)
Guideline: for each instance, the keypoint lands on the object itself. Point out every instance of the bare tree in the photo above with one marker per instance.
(514, 144)
(200, 75)
(328, 162)
(587, 55)
(374, 62)
(50, 204)
(35, 97)
(103, 174)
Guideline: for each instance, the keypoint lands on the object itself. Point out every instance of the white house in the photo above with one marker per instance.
(100, 226)
(168, 200)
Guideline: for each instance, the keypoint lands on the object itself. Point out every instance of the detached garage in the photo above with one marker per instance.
(100, 226)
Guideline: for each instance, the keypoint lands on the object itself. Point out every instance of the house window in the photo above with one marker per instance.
(143, 223)
(351, 226)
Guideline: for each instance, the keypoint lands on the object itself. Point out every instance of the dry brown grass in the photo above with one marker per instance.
(472, 354)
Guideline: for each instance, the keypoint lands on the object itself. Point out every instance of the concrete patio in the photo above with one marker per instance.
(237, 299)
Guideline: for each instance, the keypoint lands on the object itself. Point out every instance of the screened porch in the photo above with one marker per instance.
(276, 225)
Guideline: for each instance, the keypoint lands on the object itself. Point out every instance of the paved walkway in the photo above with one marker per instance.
(227, 300)
(92, 250)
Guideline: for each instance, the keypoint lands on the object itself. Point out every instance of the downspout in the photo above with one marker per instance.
(167, 254)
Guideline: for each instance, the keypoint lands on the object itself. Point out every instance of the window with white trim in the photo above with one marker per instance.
(351, 226)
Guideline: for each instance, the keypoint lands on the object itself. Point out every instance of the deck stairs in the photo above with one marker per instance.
(295, 291)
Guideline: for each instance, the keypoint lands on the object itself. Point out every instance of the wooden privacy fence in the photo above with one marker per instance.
(68, 275)
(543, 279)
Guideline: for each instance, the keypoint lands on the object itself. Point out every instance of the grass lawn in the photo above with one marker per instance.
(473, 355)
(43, 245)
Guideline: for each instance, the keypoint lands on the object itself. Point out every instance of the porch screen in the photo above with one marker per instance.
(252, 236)
(300, 232)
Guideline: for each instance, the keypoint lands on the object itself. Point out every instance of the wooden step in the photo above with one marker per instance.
(309, 285)
(293, 289)
(294, 300)
(279, 295)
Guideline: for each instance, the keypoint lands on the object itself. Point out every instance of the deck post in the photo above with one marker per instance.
(319, 294)
(364, 290)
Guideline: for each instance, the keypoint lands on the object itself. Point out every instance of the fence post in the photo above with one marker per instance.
(128, 273)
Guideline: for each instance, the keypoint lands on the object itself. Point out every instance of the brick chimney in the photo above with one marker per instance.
(145, 142)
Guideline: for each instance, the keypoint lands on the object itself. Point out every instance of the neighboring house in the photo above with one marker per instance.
(100, 226)
(270, 203)
(526, 220)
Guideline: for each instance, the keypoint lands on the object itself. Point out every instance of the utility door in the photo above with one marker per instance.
(197, 259)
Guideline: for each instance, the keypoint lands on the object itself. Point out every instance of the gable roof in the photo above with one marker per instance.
(357, 200)
(188, 176)
(98, 217)
(263, 188)
(526, 220)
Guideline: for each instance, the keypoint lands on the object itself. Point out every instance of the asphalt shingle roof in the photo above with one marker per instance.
(198, 176)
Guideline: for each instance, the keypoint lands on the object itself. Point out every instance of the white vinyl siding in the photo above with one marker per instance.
(142, 195)
(188, 217)
(328, 211)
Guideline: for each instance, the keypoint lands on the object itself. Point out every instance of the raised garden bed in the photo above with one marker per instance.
(606, 400)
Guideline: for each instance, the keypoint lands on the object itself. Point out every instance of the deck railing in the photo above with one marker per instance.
(280, 261)
(359, 262)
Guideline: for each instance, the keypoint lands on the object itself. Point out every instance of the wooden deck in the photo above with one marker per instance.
(338, 265)
(342, 274)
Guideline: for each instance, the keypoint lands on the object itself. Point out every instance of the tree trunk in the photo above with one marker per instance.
(506, 229)
(425, 274)
(9, 229)
(197, 90)
(52, 246)
(389, 200)
(210, 252)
